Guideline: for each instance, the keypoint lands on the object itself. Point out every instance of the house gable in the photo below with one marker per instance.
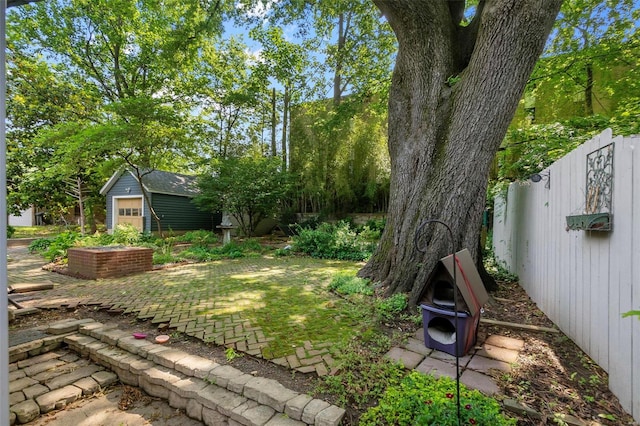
(170, 194)
(124, 186)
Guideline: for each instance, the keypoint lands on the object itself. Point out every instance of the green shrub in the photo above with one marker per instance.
(314, 242)
(58, 247)
(200, 238)
(148, 238)
(363, 372)
(492, 265)
(251, 245)
(496, 269)
(421, 399)
(231, 250)
(333, 242)
(126, 234)
(96, 239)
(310, 223)
(40, 245)
(160, 258)
(349, 284)
(376, 224)
(370, 234)
(10, 231)
(197, 253)
(390, 307)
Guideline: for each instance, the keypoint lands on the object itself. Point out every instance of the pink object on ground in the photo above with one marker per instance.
(163, 338)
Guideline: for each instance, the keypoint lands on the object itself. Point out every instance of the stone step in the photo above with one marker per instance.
(205, 390)
(28, 287)
(201, 386)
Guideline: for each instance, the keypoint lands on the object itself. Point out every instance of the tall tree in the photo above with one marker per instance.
(361, 49)
(39, 97)
(590, 39)
(229, 89)
(249, 188)
(352, 47)
(285, 61)
(454, 90)
(122, 49)
(131, 58)
(356, 177)
(146, 135)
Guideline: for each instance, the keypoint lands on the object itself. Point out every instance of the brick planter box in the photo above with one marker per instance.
(109, 262)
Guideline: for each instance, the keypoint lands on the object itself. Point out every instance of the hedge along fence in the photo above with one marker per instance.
(583, 279)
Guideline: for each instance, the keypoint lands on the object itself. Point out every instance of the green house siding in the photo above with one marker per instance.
(179, 214)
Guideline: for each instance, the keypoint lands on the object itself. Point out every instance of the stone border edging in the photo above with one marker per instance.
(207, 391)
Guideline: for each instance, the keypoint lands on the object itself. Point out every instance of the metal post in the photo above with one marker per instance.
(455, 301)
(4, 310)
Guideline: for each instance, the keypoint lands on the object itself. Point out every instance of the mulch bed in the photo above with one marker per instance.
(553, 375)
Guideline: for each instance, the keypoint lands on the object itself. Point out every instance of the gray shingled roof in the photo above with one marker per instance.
(160, 182)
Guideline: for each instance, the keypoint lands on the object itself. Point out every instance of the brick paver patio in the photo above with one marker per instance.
(193, 299)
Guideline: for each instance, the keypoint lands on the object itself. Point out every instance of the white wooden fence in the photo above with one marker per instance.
(582, 280)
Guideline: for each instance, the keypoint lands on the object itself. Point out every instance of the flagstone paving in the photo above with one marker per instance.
(474, 367)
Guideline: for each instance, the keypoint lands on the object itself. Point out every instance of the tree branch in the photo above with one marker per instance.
(467, 36)
(96, 74)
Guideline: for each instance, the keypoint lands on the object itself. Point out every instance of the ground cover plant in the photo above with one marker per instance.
(362, 372)
(342, 241)
(421, 399)
(198, 246)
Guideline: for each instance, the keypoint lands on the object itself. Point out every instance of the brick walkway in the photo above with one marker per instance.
(189, 299)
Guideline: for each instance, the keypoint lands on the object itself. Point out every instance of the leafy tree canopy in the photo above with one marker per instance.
(104, 81)
(248, 188)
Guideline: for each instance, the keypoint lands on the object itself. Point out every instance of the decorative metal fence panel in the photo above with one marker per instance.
(583, 280)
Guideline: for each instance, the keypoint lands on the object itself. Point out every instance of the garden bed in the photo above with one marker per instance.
(109, 261)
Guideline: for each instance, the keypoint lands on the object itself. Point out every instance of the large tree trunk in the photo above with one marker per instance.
(453, 94)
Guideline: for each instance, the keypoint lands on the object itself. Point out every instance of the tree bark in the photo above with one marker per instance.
(285, 121)
(453, 94)
(588, 90)
(273, 123)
